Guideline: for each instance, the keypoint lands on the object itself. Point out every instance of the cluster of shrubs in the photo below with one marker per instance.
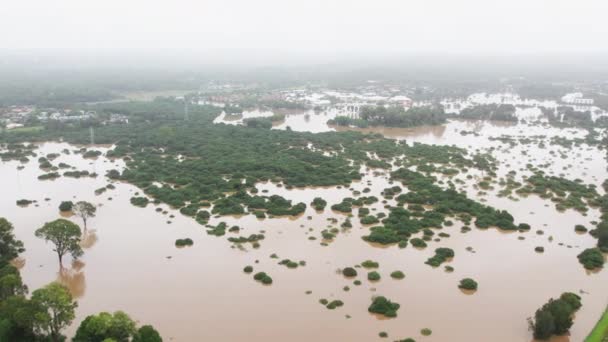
(66, 206)
(218, 230)
(78, 174)
(347, 203)
(393, 116)
(370, 264)
(184, 242)
(402, 223)
(591, 258)
(91, 154)
(263, 278)
(397, 274)
(496, 112)
(291, 264)
(349, 272)
(373, 276)
(140, 201)
(336, 303)
(381, 305)
(318, 203)
(24, 202)
(468, 284)
(555, 317)
(273, 205)
(441, 255)
(251, 238)
(565, 193)
(49, 176)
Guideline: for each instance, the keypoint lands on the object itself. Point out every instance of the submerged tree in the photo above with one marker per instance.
(555, 317)
(84, 210)
(65, 235)
(55, 310)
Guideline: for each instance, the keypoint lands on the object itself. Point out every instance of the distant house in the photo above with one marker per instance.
(13, 125)
(577, 99)
(404, 101)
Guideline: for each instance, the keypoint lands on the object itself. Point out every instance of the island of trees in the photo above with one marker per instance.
(393, 116)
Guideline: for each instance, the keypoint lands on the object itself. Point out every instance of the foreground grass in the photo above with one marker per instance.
(600, 332)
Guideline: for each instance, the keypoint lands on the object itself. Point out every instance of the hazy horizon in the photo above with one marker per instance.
(306, 32)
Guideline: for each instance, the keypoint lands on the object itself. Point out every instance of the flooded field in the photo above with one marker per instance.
(201, 293)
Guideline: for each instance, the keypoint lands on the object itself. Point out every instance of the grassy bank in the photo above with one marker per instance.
(600, 332)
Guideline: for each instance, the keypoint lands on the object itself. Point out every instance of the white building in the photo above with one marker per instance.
(577, 99)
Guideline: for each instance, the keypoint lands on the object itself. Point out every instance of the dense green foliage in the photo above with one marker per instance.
(65, 235)
(57, 309)
(565, 193)
(263, 278)
(117, 327)
(591, 258)
(10, 247)
(397, 275)
(96, 328)
(184, 242)
(370, 264)
(468, 284)
(336, 303)
(349, 272)
(139, 201)
(66, 206)
(441, 255)
(394, 116)
(383, 306)
(402, 223)
(318, 203)
(503, 112)
(555, 317)
(373, 276)
(24, 202)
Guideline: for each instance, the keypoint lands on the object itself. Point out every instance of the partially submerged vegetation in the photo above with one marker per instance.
(393, 116)
(468, 284)
(555, 317)
(591, 258)
(206, 171)
(381, 305)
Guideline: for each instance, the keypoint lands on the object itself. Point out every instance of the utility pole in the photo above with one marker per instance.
(92, 132)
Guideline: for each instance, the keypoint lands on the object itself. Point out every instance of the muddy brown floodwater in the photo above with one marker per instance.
(200, 293)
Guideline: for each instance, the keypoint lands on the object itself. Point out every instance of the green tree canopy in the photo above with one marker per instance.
(118, 327)
(65, 235)
(147, 333)
(84, 210)
(10, 282)
(55, 310)
(96, 328)
(10, 247)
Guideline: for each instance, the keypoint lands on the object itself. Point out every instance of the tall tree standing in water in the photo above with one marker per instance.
(65, 235)
(84, 210)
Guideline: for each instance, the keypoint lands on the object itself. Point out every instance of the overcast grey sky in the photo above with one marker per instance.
(249, 28)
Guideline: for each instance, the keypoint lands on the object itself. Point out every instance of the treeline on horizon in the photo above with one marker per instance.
(57, 84)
